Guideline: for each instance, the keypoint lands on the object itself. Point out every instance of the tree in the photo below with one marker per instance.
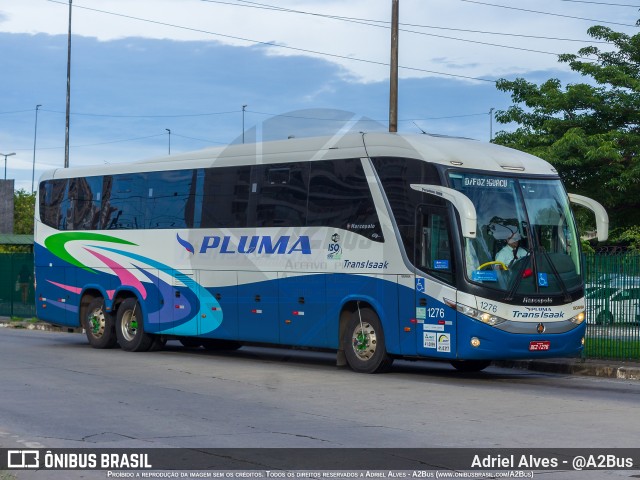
(590, 132)
(23, 210)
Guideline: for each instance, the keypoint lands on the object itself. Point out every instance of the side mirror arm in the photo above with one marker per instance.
(460, 201)
(602, 219)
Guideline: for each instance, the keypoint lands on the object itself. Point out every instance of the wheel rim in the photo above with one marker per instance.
(364, 341)
(129, 325)
(96, 322)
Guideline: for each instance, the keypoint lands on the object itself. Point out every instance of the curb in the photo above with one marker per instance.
(42, 326)
(593, 368)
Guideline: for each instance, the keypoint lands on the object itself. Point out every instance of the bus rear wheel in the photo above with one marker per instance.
(470, 365)
(130, 327)
(99, 326)
(363, 343)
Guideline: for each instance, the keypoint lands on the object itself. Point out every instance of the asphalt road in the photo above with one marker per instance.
(56, 391)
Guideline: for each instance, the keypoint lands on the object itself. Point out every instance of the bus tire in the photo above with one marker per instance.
(470, 365)
(130, 327)
(363, 343)
(99, 325)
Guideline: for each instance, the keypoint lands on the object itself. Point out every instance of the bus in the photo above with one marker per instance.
(376, 246)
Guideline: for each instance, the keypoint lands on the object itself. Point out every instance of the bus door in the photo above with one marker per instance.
(407, 313)
(258, 307)
(303, 310)
(435, 282)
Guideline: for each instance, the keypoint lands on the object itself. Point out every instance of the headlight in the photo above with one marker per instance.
(476, 314)
(578, 319)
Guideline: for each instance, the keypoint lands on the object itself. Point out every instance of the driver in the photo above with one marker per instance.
(512, 251)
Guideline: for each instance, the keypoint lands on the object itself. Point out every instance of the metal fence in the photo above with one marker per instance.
(613, 305)
(612, 300)
(16, 285)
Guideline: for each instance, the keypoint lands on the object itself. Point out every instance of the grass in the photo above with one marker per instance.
(20, 319)
(614, 349)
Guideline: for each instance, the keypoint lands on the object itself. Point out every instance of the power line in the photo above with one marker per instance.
(273, 44)
(16, 111)
(603, 3)
(386, 23)
(144, 116)
(189, 115)
(124, 140)
(520, 35)
(199, 139)
(302, 117)
(105, 143)
(547, 13)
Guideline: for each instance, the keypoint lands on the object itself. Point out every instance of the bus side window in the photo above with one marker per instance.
(224, 201)
(282, 195)
(124, 204)
(339, 197)
(85, 197)
(434, 253)
(168, 202)
(54, 203)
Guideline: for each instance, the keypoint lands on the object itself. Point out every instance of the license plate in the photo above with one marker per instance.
(539, 346)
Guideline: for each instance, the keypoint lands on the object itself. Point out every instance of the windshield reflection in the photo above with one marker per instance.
(526, 241)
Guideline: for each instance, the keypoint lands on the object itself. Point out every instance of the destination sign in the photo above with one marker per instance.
(486, 182)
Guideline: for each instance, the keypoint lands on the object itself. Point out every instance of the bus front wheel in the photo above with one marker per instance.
(130, 327)
(363, 343)
(99, 326)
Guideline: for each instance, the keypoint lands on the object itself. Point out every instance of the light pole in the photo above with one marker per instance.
(68, 114)
(35, 136)
(393, 77)
(244, 109)
(168, 130)
(491, 123)
(5, 155)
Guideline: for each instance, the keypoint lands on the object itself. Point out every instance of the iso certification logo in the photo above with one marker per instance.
(334, 250)
(23, 459)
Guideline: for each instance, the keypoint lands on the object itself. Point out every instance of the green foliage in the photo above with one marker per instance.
(587, 248)
(23, 211)
(24, 208)
(590, 132)
(629, 237)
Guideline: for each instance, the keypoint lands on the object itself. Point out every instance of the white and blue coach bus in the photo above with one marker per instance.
(377, 246)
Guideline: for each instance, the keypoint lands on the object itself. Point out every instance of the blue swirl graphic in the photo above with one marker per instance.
(207, 301)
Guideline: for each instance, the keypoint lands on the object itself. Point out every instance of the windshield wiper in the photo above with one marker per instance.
(519, 277)
(555, 272)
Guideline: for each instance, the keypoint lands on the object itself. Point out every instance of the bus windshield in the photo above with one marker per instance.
(526, 239)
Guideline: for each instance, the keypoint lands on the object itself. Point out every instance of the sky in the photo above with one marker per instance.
(149, 76)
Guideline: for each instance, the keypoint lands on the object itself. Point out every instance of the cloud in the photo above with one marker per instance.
(313, 35)
(132, 80)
